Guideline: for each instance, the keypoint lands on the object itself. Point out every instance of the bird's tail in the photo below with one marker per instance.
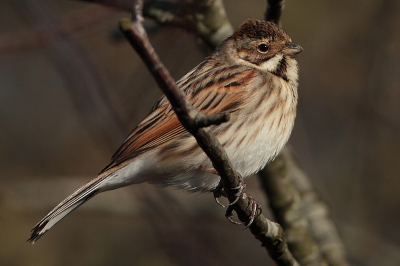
(75, 200)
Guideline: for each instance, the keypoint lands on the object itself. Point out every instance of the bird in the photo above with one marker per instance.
(253, 76)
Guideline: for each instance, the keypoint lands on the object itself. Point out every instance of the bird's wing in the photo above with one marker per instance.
(222, 89)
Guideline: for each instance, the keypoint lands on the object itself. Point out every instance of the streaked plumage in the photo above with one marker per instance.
(253, 76)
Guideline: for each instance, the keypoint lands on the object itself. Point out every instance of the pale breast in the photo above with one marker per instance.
(259, 133)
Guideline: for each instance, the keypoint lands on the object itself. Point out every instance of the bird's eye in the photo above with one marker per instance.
(262, 48)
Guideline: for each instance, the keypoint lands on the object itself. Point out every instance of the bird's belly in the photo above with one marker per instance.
(251, 149)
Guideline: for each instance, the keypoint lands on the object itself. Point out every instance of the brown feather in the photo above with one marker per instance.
(162, 125)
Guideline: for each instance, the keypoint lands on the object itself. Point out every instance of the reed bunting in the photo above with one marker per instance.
(253, 76)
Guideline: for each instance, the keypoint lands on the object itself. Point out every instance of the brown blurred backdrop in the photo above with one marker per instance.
(71, 89)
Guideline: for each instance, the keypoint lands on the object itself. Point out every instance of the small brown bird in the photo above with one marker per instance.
(253, 76)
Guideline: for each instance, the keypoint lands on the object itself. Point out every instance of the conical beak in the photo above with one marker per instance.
(292, 48)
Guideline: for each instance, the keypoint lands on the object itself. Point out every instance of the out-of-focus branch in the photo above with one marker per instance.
(207, 18)
(321, 225)
(311, 234)
(287, 205)
(301, 212)
(274, 10)
(266, 231)
(124, 5)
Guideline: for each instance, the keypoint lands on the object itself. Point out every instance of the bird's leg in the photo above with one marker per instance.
(219, 192)
(240, 189)
(229, 215)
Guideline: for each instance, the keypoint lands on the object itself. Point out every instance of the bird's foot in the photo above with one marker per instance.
(240, 189)
(253, 205)
(219, 192)
(255, 208)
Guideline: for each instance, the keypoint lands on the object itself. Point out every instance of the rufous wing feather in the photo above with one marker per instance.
(223, 94)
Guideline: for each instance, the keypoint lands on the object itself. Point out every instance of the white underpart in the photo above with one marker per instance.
(268, 66)
(126, 175)
(271, 64)
(254, 154)
(291, 69)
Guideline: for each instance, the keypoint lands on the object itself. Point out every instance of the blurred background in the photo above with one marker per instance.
(71, 89)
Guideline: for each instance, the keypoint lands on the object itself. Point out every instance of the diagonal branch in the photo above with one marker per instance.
(187, 114)
(270, 234)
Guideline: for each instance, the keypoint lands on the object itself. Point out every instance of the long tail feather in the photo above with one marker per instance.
(75, 200)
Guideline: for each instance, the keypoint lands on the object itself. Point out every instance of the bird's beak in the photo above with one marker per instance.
(292, 48)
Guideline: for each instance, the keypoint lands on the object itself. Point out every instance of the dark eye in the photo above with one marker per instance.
(262, 48)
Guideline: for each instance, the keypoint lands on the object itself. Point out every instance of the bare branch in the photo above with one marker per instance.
(266, 231)
(187, 115)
